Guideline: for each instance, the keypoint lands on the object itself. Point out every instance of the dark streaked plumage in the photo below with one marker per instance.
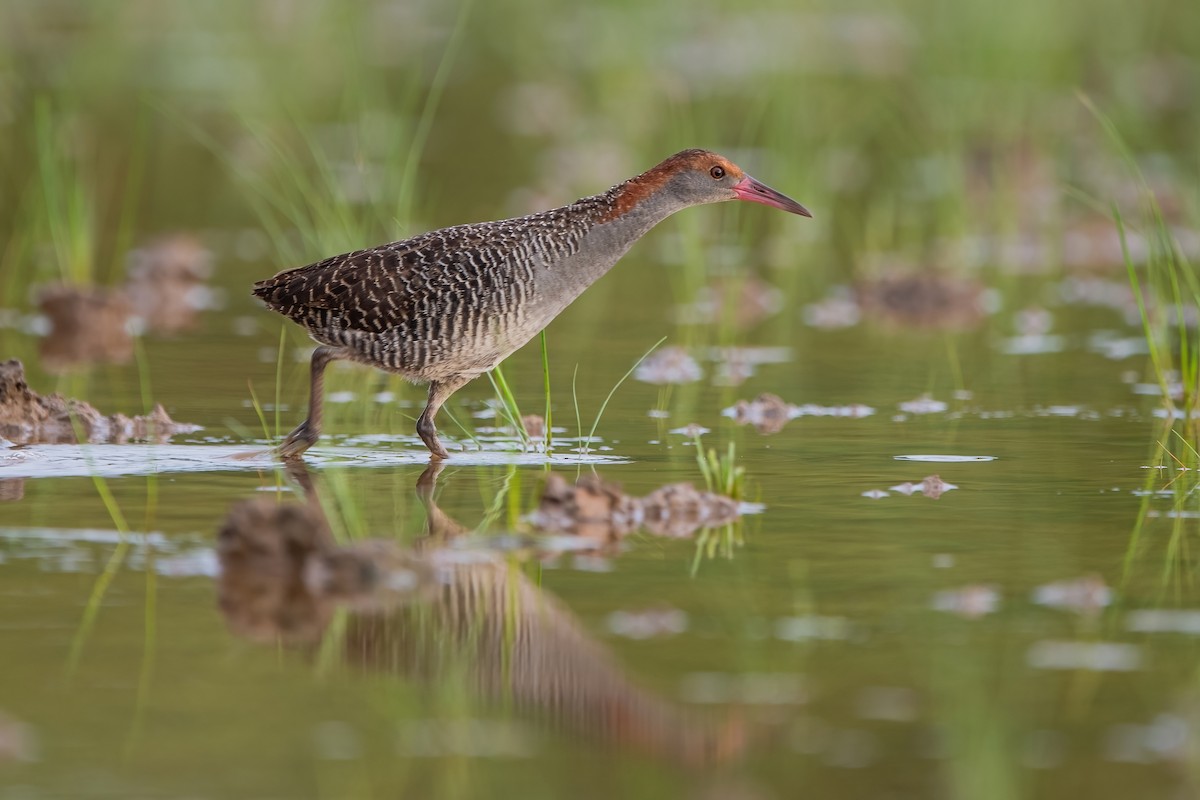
(448, 305)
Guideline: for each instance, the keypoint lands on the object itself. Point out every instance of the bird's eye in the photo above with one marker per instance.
(717, 173)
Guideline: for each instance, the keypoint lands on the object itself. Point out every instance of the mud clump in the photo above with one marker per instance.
(601, 511)
(678, 510)
(923, 300)
(592, 508)
(534, 425)
(1087, 595)
(27, 417)
(669, 365)
(167, 278)
(165, 290)
(88, 324)
(768, 413)
(931, 486)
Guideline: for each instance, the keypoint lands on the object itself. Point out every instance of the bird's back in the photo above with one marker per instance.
(450, 301)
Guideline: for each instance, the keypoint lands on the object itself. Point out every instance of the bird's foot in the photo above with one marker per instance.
(298, 441)
(436, 451)
(429, 435)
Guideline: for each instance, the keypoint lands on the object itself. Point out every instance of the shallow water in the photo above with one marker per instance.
(964, 567)
(1003, 639)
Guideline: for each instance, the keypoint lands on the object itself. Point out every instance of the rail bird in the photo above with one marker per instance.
(447, 306)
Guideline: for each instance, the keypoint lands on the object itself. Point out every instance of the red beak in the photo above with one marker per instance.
(753, 191)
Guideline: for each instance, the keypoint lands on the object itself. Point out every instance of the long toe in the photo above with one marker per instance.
(297, 442)
(436, 450)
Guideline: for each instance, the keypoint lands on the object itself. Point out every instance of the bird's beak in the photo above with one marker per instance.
(753, 191)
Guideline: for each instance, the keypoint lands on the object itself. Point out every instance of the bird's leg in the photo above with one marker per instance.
(439, 392)
(307, 433)
(440, 528)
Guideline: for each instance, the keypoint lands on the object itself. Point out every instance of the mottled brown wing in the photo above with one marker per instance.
(392, 285)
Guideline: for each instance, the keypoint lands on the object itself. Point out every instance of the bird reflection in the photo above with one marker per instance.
(433, 611)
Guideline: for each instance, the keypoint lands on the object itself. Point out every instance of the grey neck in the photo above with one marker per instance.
(606, 242)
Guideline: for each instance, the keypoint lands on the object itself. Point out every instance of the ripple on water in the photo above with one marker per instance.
(943, 458)
(116, 460)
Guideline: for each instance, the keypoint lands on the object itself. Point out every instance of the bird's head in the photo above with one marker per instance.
(701, 176)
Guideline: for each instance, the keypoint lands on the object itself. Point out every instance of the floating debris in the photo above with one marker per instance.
(923, 300)
(678, 510)
(854, 410)
(812, 627)
(87, 324)
(1168, 737)
(838, 309)
(743, 302)
(971, 602)
(1180, 513)
(1086, 595)
(1104, 292)
(167, 277)
(1096, 656)
(17, 740)
(736, 364)
(875, 494)
(245, 325)
(925, 404)
(692, 430)
(1172, 388)
(734, 370)
(599, 510)
(768, 413)
(90, 324)
(1032, 344)
(534, 425)
(1033, 321)
(752, 688)
(931, 486)
(27, 417)
(1063, 411)
(888, 703)
(648, 624)
(1164, 620)
(592, 508)
(669, 365)
(1096, 242)
(1118, 348)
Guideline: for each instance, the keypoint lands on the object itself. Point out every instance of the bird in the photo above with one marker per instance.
(444, 307)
